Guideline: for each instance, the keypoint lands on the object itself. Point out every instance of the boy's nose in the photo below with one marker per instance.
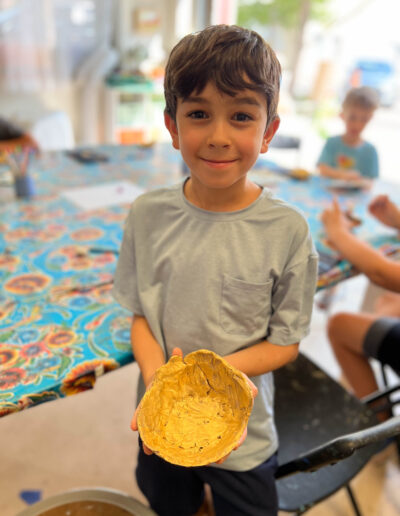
(218, 135)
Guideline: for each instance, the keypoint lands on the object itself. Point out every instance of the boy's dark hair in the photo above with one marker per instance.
(231, 57)
(363, 97)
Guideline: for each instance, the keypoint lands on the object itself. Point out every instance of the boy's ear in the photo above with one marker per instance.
(172, 129)
(269, 133)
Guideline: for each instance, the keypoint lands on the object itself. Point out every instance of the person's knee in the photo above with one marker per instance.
(335, 327)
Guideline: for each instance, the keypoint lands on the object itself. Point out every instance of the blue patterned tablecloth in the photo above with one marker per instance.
(59, 326)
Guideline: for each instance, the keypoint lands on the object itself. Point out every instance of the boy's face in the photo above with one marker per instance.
(219, 136)
(355, 119)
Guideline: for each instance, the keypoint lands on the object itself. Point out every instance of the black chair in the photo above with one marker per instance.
(384, 399)
(321, 424)
(281, 141)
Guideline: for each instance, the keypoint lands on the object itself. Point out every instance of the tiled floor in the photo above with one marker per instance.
(85, 440)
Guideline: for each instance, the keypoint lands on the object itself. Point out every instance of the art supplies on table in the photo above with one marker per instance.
(326, 262)
(106, 194)
(18, 162)
(87, 156)
(347, 186)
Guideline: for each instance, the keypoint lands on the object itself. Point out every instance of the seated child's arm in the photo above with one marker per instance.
(388, 305)
(338, 173)
(263, 357)
(378, 268)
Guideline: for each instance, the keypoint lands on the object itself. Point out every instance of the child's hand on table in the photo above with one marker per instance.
(383, 209)
(351, 175)
(335, 221)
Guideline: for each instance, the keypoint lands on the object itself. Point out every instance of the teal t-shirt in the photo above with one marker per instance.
(362, 158)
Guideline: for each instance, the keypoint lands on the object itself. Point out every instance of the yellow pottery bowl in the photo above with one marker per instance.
(195, 410)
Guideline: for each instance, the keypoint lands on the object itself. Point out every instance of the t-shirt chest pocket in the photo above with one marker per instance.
(245, 307)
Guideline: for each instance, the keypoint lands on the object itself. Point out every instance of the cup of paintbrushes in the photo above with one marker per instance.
(24, 186)
(23, 182)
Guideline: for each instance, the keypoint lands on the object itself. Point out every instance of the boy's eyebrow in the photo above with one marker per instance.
(252, 101)
(197, 100)
(246, 100)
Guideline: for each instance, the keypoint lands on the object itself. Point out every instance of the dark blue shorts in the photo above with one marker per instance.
(382, 342)
(177, 491)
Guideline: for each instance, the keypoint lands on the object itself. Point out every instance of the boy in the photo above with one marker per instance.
(349, 157)
(217, 262)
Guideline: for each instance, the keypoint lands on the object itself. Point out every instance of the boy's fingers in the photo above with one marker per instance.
(241, 440)
(220, 461)
(254, 390)
(379, 201)
(335, 204)
(147, 450)
(177, 352)
(134, 426)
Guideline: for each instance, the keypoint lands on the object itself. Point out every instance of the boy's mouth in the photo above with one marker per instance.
(218, 163)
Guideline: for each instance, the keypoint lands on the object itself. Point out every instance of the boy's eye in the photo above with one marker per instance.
(197, 114)
(242, 117)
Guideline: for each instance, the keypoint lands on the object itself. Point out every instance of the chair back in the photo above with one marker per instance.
(311, 408)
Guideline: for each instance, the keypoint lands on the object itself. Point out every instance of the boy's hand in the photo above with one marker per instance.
(382, 208)
(134, 426)
(351, 175)
(148, 451)
(254, 392)
(334, 222)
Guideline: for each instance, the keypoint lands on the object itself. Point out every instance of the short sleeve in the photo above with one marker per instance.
(293, 296)
(125, 289)
(372, 164)
(326, 156)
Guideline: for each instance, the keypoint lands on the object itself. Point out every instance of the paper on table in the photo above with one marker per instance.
(106, 194)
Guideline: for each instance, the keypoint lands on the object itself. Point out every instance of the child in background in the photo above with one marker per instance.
(348, 156)
(217, 262)
(12, 138)
(355, 337)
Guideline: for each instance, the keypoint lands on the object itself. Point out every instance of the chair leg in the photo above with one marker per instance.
(397, 442)
(353, 500)
(354, 503)
(384, 375)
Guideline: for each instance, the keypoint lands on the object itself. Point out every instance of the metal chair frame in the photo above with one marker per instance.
(350, 451)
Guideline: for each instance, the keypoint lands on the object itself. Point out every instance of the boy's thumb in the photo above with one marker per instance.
(177, 352)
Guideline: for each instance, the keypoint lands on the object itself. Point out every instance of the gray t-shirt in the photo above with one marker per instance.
(222, 281)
